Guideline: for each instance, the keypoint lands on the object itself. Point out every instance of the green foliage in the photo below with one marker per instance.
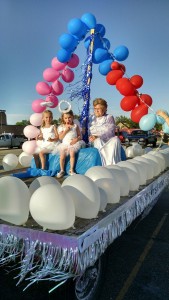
(23, 123)
(127, 122)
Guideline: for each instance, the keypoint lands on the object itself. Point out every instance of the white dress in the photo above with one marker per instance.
(65, 144)
(107, 143)
(45, 145)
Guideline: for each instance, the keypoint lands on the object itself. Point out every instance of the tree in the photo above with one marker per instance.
(23, 123)
(127, 122)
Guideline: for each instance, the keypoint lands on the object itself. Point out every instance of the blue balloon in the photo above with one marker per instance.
(147, 122)
(165, 128)
(63, 55)
(105, 67)
(121, 53)
(68, 42)
(78, 28)
(89, 20)
(100, 29)
(106, 43)
(99, 55)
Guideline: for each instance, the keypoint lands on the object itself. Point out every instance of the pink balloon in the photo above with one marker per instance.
(57, 65)
(31, 131)
(50, 74)
(43, 88)
(36, 106)
(57, 87)
(74, 61)
(54, 99)
(36, 119)
(68, 75)
(29, 147)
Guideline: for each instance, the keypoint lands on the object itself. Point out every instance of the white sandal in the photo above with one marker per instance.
(60, 174)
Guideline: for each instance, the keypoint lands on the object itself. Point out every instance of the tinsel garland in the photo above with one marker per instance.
(44, 257)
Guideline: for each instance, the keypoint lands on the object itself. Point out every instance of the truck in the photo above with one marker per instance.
(9, 140)
(77, 255)
(141, 137)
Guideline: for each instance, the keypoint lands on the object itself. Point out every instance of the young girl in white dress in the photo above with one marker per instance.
(70, 135)
(47, 140)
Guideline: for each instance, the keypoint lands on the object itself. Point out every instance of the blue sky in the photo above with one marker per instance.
(29, 39)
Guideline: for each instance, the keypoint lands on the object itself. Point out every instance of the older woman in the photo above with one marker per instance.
(102, 133)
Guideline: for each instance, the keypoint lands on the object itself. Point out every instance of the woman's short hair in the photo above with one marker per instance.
(100, 101)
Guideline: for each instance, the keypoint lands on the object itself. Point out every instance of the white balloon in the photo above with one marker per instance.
(134, 180)
(150, 167)
(85, 195)
(156, 161)
(103, 200)
(98, 172)
(9, 162)
(43, 180)
(14, 200)
(25, 159)
(129, 152)
(52, 207)
(122, 179)
(161, 159)
(147, 150)
(140, 169)
(137, 150)
(111, 188)
(166, 156)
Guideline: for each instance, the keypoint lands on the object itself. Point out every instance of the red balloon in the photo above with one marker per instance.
(117, 66)
(137, 81)
(144, 98)
(138, 112)
(129, 102)
(125, 87)
(113, 76)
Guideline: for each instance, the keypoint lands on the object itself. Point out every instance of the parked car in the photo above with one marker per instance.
(9, 140)
(142, 137)
(122, 135)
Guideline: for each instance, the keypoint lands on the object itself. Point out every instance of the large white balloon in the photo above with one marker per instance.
(137, 150)
(98, 172)
(85, 194)
(166, 156)
(103, 200)
(161, 159)
(147, 150)
(14, 200)
(129, 152)
(39, 181)
(134, 180)
(122, 179)
(149, 165)
(9, 162)
(52, 207)
(25, 159)
(155, 160)
(111, 188)
(140, 169)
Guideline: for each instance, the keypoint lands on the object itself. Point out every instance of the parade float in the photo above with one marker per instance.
(60, 230)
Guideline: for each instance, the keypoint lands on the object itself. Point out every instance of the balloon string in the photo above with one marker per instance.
(145, 103)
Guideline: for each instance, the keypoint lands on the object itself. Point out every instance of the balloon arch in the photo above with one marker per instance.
(109, 65)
